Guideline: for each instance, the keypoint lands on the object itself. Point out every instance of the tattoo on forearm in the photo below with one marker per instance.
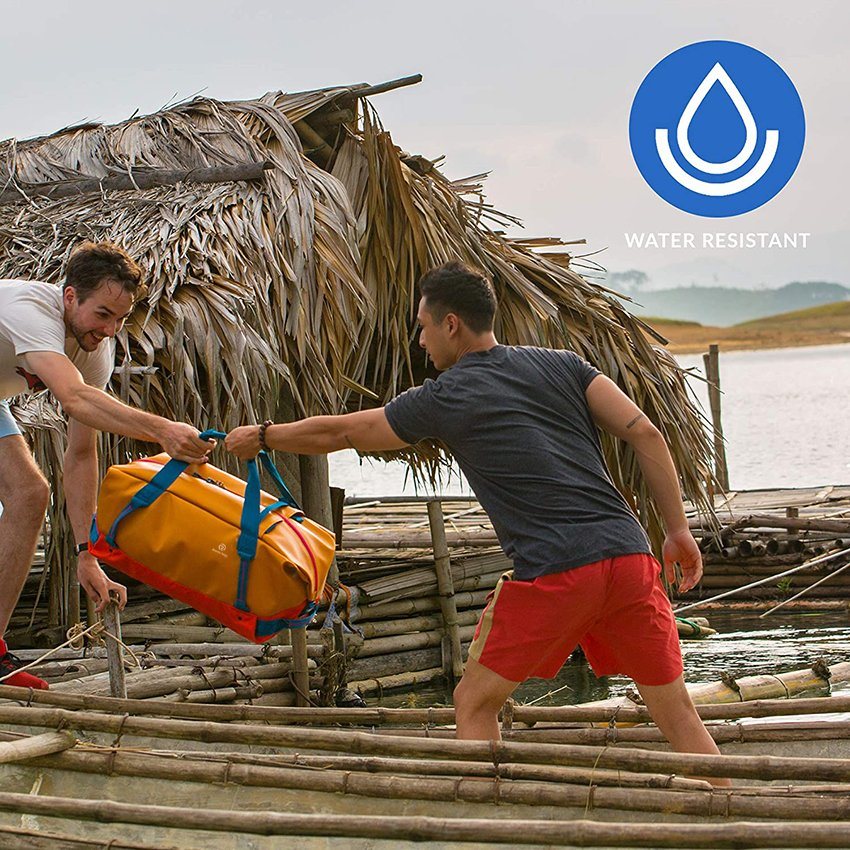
(636, 420)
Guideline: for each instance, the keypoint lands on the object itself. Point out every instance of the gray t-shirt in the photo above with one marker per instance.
(517, 422)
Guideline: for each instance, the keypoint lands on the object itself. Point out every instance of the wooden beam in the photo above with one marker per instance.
(139, 180)
(368, 91)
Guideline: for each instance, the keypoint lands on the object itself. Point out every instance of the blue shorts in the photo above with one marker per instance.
(8, 426)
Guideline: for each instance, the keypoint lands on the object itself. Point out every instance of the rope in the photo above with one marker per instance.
(76, 640)
(781, 682)
(590, 788)
(75, 637)
(133, 655)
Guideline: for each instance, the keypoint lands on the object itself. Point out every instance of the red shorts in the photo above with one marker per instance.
(616, 609)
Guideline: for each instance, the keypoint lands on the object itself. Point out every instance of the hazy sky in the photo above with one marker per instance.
(536, 92)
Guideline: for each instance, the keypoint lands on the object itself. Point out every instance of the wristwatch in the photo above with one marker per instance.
(81, 547)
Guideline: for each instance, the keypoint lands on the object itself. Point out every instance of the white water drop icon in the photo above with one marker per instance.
(662, 143)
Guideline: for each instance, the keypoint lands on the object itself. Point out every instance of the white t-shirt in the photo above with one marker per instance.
(31, 319)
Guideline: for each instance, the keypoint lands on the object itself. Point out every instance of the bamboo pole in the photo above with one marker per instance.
(792, 522)
(300, 676)
(695, 802)
(397, 662)
(725, 733)
(367, 687)
(233, 650)
(114, 650)
(220, 695)
(752, 767)
(452, 657)
(416, 539)
(404, 607)
(314, 144)
(430, 717)
(181, 633)
(380, 88)
(399, 643)
(487, 830)
(143, 610)
(139, 180)
(40, 839)
(712, 373)
(422, 767)
(410, 625)
(36, 745)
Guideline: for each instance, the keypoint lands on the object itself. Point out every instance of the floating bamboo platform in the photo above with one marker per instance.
(79, 770)
(220, 743)
(415, 575)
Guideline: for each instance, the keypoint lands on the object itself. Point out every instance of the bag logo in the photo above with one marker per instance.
(717, 128)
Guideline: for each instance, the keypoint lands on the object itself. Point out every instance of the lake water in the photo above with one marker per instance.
(785, 415)
(786, 420)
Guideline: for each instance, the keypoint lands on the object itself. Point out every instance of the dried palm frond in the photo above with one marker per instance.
(296, 294)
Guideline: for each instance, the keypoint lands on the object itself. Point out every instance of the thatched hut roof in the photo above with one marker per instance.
(294, 293)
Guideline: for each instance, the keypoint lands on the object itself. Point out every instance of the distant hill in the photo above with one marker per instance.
(721, 307)
(826, 324)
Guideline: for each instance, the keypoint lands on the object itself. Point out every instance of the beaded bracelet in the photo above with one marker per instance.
(262, 435)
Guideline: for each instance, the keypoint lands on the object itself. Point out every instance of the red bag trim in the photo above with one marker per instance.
(306, 545)
(244, 624)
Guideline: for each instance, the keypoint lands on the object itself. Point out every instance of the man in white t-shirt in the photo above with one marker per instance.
(61, 338)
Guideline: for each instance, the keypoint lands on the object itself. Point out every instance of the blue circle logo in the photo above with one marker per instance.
(717, 128)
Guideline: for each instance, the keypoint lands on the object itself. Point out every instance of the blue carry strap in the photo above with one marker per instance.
(272, 507)
(272, 627)
(269, 466)
(156, 487)
(246, 546)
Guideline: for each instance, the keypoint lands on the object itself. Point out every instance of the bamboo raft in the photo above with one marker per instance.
(409, 612)
(206, 710)
(89, 770)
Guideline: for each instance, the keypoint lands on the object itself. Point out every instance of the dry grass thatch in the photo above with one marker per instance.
(296, 294)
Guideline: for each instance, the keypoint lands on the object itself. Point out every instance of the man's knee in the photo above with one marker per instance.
(468, 699)
(465, 698)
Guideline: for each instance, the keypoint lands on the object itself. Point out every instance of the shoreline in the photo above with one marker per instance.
(694, 339)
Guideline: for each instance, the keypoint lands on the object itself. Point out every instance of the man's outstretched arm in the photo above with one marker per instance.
(102, 412)
(617, 414)
(365, 431)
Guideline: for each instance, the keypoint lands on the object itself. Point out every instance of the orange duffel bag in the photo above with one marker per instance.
(253, 562)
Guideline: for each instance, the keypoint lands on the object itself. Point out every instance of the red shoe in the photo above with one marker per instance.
(9, 665)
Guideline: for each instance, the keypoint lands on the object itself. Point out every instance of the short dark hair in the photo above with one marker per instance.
(94, 262)
(455, 287)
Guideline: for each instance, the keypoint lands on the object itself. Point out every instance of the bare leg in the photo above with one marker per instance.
(24, 494)
(673, 711)
(478, 698)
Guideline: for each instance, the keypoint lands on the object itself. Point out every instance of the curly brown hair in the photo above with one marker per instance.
(93, 263)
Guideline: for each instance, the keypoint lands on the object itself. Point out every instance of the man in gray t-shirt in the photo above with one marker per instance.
(517, 422)
(521, 423)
